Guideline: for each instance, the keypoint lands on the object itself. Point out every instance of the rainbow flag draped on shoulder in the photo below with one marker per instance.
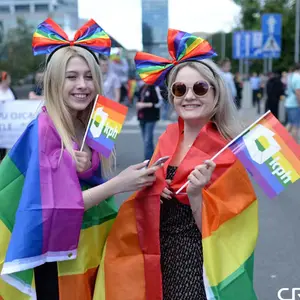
(229, 227)
(42, 216)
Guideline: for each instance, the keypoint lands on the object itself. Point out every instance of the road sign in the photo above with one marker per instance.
(247, 44)
(271, 28)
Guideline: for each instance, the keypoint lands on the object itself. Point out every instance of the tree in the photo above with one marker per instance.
(17, 57)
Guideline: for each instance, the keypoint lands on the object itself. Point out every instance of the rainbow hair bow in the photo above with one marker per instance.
(182, 47)
(49, 37)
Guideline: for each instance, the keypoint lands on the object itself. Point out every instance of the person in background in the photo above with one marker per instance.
(36, 92)
(292, 102)
(6, 94)
(112, 84)
(275, 90)
(121, 68)
(256, 91)
(147, 107)
(239, 90)
(228, 77)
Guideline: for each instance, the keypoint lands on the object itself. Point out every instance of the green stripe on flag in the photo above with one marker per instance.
(24, 276)
(11, 186)
(239, 285)
(99, 214)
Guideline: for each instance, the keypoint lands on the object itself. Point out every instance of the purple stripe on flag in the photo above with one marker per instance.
(98, 147)
(62, 203)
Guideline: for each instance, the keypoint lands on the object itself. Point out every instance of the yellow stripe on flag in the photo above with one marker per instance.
(87, 257)
(4, 242)
(7, 292)
(228, 248)
(285, 164)
(99, 292)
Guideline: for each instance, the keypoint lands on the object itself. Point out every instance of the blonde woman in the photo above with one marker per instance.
(161, 253)
(56, 202)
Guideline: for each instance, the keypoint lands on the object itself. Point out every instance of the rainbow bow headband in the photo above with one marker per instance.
(182, 47)
(49, 37)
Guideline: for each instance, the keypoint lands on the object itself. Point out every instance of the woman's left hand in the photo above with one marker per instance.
(200, 178)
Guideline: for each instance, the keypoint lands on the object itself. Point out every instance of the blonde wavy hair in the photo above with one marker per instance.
(224, 114)
(54, 77)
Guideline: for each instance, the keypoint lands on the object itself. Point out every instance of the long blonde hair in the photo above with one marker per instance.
(224, 114)
(54, 78)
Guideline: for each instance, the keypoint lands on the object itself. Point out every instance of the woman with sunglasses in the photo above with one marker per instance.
(184, 246)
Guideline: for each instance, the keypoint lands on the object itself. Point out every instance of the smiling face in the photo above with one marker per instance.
(190, 107)
(78, 89)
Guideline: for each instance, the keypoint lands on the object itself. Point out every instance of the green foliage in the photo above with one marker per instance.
(16, 56)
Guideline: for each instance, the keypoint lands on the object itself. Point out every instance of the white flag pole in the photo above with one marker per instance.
(229, 144)
(88, 126)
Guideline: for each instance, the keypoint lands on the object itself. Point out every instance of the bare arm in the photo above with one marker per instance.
(117, 94)
(297, 92)
(96, 195)
(131, 179)
(34, 96)
(196, 206)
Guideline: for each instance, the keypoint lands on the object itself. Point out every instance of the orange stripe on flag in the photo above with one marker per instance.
(115, 106)
(225, 199)
(115, 116)
(77, 287)
(124, 260)
(285, 149)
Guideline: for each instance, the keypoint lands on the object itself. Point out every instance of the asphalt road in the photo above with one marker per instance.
(277, 258)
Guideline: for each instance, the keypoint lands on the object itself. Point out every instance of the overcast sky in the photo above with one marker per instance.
(122, 18)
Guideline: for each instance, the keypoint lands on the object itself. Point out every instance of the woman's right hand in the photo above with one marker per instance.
(136, 177)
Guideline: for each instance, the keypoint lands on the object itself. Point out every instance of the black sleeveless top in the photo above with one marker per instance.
(181, 250)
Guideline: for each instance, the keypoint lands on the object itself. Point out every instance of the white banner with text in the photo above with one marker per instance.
(14, 118)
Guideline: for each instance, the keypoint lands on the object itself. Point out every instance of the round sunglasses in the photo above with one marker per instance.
(200, 89)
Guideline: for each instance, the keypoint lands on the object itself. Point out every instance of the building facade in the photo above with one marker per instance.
(64, 12)
(155, 23)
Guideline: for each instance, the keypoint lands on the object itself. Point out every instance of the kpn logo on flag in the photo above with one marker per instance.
(105, 125)
(270, 155)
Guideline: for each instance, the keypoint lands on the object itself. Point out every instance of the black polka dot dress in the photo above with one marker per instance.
(181, 251)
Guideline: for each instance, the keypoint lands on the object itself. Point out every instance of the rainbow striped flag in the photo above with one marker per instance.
(42, 217)
(105, 125)
(269, 154)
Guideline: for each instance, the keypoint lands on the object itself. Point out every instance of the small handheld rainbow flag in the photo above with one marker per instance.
(269, 154)
(105, 125)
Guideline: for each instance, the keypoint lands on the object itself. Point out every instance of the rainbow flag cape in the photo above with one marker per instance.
(42, 216)
(229, 227)
(270, 154)
(105, 125)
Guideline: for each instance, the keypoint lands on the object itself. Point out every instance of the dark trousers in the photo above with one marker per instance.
(46, 281)
(2, 153)
(123, 93)
(256, 100)
(147, 134)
